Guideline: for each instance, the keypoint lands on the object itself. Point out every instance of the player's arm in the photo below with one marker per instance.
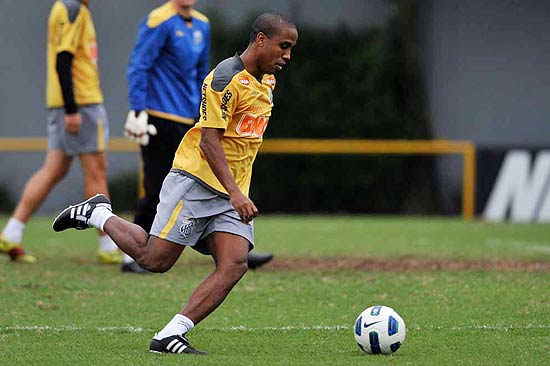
(63, 66)
(150, 40)
(218, 104)
(68, 34)
(215, 156)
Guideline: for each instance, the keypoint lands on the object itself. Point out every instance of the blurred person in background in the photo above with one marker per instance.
(77, 124)
(204, 201)
(169, 61)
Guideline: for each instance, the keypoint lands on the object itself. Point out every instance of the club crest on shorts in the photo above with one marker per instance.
(186, 228)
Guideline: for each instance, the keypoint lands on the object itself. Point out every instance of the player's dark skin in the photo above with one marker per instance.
(264, 55)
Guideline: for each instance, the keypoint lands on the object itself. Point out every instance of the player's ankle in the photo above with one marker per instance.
(99, 217)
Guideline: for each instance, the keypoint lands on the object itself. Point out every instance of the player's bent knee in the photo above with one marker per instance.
(154, 266)
(158, 255)
(154, 263)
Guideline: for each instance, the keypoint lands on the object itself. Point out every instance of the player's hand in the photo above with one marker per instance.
(137, 129)
(72, 123)
(244, 206)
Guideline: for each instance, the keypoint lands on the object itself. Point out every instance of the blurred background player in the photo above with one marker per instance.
(77, 124)
(170, 59)
(204, 199)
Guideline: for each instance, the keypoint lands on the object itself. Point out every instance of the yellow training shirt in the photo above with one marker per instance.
(71, 29)
(235, 101)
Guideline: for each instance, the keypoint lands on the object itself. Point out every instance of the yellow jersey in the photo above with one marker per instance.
(237, 102)
(71, 29)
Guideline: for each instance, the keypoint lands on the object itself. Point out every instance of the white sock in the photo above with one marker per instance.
(127, 259)
(179, 325)
(107, 244)
(13, 231)
(99, 216)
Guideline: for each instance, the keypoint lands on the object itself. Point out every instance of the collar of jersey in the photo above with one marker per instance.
(238, 56)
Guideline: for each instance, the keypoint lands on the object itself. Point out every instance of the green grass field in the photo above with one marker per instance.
(300, 310)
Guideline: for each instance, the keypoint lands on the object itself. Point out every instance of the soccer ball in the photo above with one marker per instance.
(379, 329)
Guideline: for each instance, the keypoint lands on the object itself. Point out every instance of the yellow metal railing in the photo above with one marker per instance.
(319, 146)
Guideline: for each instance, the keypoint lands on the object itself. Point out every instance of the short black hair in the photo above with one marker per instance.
(269, 24)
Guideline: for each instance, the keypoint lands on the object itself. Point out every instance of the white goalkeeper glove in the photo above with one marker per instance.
(137, 129)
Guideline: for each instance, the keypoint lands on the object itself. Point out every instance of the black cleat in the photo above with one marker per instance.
(133, 267)
(173, 344)
(256, 260)
(77, 216)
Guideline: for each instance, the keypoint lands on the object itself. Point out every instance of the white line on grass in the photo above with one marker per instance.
(526, 246)
(242, 328)
(73, 328)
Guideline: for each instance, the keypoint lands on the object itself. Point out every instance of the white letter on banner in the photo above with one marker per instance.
(544, 213)
(517, 185)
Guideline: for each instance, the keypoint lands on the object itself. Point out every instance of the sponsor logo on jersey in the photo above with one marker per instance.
(93, 51)
(244, 80)
(252, 125)
(256, 109)
(203, 101)
(225, 101)
(179, 33)
(270, 80)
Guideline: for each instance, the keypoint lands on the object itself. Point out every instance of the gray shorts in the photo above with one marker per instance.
(93, 135)
(188, 212)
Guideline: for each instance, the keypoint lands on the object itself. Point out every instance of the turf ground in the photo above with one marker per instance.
(470, 293)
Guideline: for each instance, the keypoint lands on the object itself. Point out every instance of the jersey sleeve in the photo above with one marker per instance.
(149, 43)
(217, 108)
(67, 29)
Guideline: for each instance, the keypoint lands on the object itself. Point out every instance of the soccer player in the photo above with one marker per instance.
(77, 124)
(168, 64)
(204, 199)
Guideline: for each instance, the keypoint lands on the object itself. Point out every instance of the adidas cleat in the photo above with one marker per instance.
(173, 344)
(15, 252)
(257, 260)
(112, 257)
(6, 246)
(77, 216)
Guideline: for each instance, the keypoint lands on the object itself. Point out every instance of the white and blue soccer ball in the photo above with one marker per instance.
(379, 329)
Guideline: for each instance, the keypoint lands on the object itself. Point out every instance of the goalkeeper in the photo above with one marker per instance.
(169, 61)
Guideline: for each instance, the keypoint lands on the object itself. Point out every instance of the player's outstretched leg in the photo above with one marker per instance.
(150, 252)
(78, 216)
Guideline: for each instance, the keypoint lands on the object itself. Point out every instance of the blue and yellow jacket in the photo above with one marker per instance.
(169, 61)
